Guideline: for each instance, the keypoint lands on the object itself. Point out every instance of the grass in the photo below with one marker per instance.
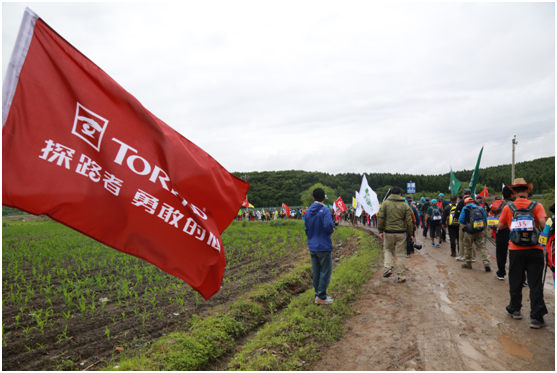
(286, 340)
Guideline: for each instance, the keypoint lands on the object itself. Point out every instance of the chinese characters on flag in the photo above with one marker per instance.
(79, 148)
(287, 210)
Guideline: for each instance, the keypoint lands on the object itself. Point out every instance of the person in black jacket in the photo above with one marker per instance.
(453, 228)
(502, 237)
(425, 206)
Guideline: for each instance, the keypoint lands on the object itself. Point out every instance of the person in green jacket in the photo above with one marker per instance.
(395, 220)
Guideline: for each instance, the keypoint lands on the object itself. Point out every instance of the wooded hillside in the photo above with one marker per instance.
(272, 188)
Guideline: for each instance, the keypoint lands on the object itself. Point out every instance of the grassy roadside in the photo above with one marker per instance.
(300, 331)
(287, 339)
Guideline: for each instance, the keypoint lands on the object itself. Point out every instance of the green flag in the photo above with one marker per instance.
(474, 179)
(454, 185)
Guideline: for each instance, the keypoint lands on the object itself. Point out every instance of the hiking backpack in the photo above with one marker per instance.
(435, 214)
(496, 209)
(547, 240)
(453, 219)
(524, 231)
(475, 222)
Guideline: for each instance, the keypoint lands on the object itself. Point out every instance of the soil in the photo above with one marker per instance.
(443, 318)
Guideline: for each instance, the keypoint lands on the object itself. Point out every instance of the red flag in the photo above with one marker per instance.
(245, 203)
(484, 192)
(340, 204)
(287, 209)
(79, 148)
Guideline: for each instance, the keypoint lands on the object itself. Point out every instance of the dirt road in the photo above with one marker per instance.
(444, 318)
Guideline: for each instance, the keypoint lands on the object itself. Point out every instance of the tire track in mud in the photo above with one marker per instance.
(443, 318)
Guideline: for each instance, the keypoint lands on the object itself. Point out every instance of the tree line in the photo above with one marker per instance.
(272, 188)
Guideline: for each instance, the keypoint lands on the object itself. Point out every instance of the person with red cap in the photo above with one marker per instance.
(525, 220)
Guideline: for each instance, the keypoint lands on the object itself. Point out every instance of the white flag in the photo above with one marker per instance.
(368, 198)
(359, 209)
(503, 187)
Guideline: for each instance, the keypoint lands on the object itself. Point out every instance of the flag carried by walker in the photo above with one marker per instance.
(354, 203)
(368, 198)
(454, 185)
(286, 209)
(484, 192)
(79, 148)
(339, 205)
(359, 208)
(246, 204)
(474, 179)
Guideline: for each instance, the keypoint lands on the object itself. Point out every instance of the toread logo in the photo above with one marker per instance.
(89, 126)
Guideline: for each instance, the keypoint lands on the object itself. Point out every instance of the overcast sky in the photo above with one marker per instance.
(328, 86)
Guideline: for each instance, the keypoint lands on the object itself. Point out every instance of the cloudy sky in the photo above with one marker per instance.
(328, 86)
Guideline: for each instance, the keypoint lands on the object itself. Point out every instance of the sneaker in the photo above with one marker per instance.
(467, 266)
(515, 315)
(502, 278)
(324, 301)
(408, 255)
(460, 258)
(432, 244)
(473, 260)
(437, 245)
(487, 268)
(388, 272)
(453, 254)
(536, 324)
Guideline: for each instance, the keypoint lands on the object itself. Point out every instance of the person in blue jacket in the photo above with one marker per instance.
(319, 226)
(475, 235)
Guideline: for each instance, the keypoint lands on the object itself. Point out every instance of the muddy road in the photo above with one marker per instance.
(443, 318)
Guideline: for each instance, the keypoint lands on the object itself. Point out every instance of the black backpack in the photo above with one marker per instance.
(475, 222)
(524, 231)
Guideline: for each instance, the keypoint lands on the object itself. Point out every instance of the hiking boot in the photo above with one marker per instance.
(502, 278)
(536, 324)
(473, 260)
(467, 266)
(487, 268)
(388, 272)
(515, 315)
(323, 301)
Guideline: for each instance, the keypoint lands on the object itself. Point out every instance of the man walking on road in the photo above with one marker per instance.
(319, 226)
(459, 206)
(395, 220)
(525, 219)
(474, 219)
(450, 220)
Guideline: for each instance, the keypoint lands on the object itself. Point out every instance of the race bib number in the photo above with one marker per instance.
(522, 225)
(543, 239)
(493, 222)
(436, 217)
(478, 224)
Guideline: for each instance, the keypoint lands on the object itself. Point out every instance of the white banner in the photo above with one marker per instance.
(367, 198)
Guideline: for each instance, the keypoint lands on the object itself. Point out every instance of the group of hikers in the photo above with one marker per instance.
(518, 225)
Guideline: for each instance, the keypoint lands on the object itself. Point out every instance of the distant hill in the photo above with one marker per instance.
(272, 188)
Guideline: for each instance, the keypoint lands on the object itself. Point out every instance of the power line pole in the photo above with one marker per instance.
(512, 169)
(246, 178)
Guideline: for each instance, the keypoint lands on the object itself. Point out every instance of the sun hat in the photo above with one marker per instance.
(521, 182)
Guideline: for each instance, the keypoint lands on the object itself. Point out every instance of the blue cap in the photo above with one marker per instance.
(441, 195)
(423, 199)
(433, 201)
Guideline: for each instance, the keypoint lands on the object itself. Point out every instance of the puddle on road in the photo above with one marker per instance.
(513, 348)
(470, 351)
